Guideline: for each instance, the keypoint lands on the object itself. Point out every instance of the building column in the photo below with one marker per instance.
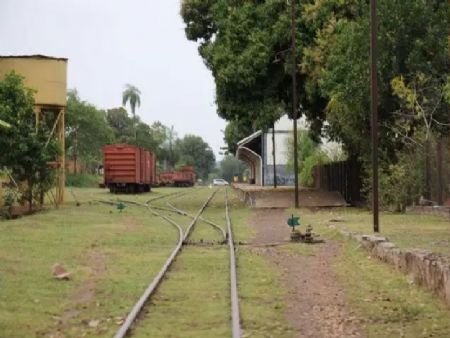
(61, 158)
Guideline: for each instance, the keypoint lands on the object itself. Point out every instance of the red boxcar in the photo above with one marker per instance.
(166, 178)
(128, 168)
(185, 177)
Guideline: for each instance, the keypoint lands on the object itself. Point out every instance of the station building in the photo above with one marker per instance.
(257, 150)
(48, 77)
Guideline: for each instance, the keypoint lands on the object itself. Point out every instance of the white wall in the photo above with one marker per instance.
(281, 148)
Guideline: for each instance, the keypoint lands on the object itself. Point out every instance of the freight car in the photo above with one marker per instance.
(128, 168)
(185, 177)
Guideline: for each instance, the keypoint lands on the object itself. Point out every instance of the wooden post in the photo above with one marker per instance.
(61, 159)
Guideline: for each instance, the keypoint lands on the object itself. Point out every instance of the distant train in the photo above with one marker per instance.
(185, 177)
(128, 168)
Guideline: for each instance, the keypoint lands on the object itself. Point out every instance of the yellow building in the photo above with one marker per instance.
(48, 77)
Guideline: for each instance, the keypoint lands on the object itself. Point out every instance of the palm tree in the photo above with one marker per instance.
(132, 94)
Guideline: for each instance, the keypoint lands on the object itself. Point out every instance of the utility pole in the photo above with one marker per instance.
(440, 196)
(294, 97)
(275, 183)
(374, 112)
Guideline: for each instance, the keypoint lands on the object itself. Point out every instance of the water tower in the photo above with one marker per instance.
(48, 77)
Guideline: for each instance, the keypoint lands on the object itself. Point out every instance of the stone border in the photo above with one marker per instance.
(427, 269)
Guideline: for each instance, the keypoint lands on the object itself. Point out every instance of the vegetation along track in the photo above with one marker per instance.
(183, 236)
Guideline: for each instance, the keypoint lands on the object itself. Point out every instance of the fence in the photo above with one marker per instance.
(344, 177)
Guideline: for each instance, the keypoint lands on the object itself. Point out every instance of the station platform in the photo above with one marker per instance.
(283, 197)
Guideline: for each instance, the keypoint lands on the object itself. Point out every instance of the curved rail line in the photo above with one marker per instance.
(176, 193)
(235, 314)
(184, 213)
(182, 236)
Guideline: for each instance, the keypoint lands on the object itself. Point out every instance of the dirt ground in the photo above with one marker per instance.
(316, 305)
(82, 296)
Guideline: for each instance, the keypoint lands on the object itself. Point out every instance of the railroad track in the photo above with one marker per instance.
(183, 236)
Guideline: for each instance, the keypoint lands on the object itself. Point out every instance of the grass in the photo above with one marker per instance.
(113, 256)
(83, 180)
(129, 249)
(387, 303)
(427, 232)
(382, 298)
(193, 301)
(201, 275)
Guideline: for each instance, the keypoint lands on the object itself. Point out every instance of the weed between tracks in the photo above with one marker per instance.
(193, 300)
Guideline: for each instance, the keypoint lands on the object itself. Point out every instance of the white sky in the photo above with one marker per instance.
(113, 42)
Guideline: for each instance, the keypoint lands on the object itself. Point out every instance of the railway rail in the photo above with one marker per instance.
(183, 236)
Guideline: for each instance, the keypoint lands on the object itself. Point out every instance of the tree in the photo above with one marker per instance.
(170, 153)
(246, 45)
(412, 39)
(5, 125)
(27, 148)
(230, 166)
(87, 131)
(132, 94)
(235, 131)
(194, 151)
(121, 124)
(309, 156)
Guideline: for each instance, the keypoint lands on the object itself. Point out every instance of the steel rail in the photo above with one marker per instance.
(235, 315)
(184, 213)
(137, 308)
(182, 236)
(188, 231)
(179, 193)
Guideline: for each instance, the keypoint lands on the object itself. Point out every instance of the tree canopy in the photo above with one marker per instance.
(193, 150)
(87, 130)
(27, 148)
(246, 45)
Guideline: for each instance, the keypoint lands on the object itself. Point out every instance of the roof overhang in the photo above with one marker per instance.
(250, 138)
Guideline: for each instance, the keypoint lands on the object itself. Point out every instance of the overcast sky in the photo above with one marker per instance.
(113, 42)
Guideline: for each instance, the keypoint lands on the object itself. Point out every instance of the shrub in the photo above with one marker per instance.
(82, 180)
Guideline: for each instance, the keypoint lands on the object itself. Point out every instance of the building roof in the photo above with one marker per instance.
(249, 138)
(37, 56)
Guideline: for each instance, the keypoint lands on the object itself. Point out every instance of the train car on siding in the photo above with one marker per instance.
(128, 168)
(185, 177)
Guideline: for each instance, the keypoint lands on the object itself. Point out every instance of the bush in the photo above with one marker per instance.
(82, 180)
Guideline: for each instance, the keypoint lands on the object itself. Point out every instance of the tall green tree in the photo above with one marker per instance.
(132, 95)
(195, 151)
(26, 149)
(121, 124)
(412, 39)
(87, 131)
(246, 45)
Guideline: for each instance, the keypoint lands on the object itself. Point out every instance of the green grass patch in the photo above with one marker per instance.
(427, 232)
(261, 297)
(82, 180)
(113, 256)
(388, 305)
(194, 299)
(382, 298)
